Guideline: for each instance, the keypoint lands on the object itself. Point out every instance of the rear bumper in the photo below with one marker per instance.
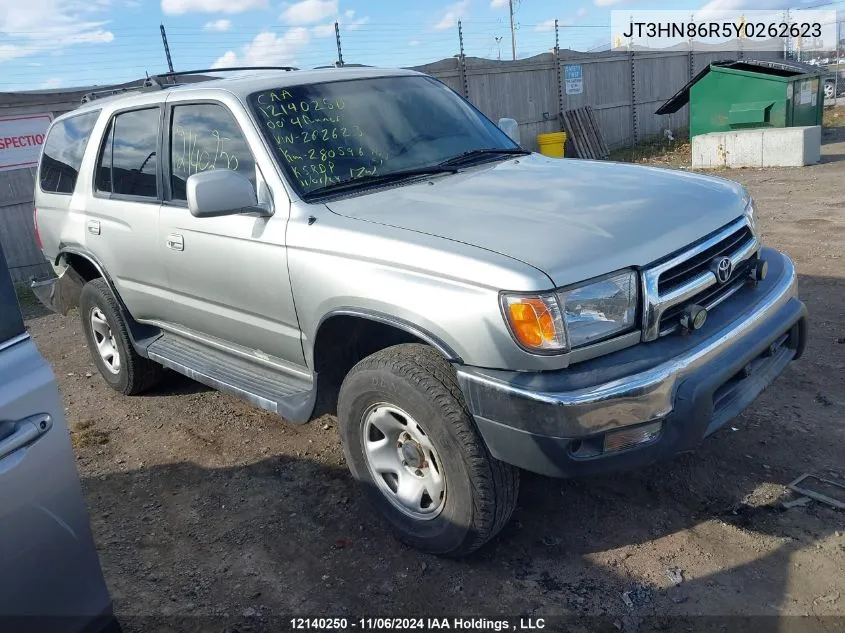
(61, 293)
(555, 423)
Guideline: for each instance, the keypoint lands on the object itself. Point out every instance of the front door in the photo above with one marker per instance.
(228, 276)
(50, 577)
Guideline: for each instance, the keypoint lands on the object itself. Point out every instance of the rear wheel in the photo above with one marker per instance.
(108, 340)
(410, 440)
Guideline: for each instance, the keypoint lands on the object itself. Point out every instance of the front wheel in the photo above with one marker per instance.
(410, 440)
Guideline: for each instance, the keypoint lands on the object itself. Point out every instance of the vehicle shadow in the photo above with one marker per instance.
(248, 547)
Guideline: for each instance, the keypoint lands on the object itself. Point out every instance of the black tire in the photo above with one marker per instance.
(481, 491)
(136, 373)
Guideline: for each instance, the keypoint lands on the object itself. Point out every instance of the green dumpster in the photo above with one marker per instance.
(743, 94)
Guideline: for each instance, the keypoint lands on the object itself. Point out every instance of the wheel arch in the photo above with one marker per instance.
(345, 336)
(87, 267)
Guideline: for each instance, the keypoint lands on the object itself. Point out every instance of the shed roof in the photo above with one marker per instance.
(783, 68)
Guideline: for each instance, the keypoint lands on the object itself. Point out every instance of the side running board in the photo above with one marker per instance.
(263, 387)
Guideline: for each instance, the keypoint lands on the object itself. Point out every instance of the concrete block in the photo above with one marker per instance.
(760, 147)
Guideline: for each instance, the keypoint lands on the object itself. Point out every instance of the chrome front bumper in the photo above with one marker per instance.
(641, 384)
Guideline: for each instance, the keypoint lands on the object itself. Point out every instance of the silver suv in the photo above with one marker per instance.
(366, 242)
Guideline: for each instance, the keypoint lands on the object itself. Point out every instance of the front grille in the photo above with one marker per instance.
(687, 278)
(708, 298)
(700, 262)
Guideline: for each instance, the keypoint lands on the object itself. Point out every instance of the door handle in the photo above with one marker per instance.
(175, 242)
(94, 227)
(24, 432)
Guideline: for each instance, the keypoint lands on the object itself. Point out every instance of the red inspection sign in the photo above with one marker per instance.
(21, 139)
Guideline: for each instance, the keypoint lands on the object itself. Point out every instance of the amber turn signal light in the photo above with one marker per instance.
(536, 322)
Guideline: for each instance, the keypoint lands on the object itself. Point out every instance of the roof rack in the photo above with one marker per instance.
(168, 80)
(171, 75)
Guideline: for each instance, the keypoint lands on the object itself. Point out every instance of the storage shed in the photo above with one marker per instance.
(743, 94)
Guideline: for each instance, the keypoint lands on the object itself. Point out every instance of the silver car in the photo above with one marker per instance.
(50, 577)
(365, 242)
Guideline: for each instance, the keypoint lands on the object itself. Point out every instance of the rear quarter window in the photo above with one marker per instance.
(63, 152)
(11, 323)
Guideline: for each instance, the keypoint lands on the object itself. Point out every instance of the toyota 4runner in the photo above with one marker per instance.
(365, 242)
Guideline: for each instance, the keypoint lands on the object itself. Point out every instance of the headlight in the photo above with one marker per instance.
(549, 323)
(601, 309)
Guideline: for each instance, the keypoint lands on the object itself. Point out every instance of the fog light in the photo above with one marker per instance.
(693, 317)
(621, 440)
(760, 270)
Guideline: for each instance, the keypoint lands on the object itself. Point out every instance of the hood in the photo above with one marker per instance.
(571, 219)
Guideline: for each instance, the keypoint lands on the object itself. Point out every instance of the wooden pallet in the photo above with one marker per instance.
(583, 131)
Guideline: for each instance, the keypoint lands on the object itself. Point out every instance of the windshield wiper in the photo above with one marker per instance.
(485, 151)
(375, 179)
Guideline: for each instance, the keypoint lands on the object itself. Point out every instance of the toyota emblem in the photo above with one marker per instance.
(722, 268)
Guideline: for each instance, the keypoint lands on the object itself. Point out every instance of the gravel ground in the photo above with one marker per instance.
(202, 505)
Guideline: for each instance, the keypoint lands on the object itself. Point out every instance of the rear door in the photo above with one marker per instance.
(50, 577)
(122, 214)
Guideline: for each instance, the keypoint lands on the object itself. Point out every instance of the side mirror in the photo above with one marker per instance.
(222, 192)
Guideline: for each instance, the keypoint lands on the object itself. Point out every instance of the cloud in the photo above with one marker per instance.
(414, 43)
(309, 11)
(581, 12)
(498, 4)
(549, 25)
(453, 13)
(39, 26)
(218, 25)
(179, 7)
(51, 83)
(326, 30)
(735, 5)
(355, 24)
(268, 49)
(323, 30)
(609, 3)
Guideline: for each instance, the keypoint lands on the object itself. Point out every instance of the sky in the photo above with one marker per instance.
(63, 43)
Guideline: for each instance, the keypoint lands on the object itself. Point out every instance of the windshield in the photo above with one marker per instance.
(340, 131)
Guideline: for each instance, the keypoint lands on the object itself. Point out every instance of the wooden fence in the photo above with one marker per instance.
(17, 234)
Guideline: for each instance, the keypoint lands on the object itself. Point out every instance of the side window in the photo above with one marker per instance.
(128, 161)
(205, 136)
(63, 152)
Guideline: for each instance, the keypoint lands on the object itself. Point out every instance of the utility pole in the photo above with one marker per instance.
(498, 39)
(337, 39)
(462, 63)
(513, 31)
(836, 74)
(166, 47)
(557, 39)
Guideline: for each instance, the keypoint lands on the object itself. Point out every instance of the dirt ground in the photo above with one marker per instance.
(202, 505)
